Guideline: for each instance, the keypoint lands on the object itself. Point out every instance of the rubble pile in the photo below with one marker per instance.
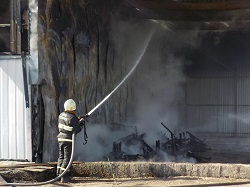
(186, 145)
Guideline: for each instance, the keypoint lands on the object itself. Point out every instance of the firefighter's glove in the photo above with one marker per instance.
(82, 120)
(83, 117)
(80, 117)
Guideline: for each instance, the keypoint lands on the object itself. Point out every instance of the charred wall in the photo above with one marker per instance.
(76, 60)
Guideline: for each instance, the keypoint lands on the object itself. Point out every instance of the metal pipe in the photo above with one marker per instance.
(5, 25)
(12, 30)
(18, 27)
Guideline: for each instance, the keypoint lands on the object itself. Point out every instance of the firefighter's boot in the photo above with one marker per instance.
(58, 171)
(65, 179)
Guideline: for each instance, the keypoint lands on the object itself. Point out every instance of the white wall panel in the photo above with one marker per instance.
(15, 118)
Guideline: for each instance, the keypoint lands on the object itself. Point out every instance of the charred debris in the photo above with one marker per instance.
(182, 147)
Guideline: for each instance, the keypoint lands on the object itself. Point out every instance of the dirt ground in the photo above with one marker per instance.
(153, 182)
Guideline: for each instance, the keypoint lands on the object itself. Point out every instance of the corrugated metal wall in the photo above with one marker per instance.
(15, 118)
(210, 104)
(218, 91)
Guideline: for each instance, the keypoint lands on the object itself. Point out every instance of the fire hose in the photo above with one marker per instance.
(85, 135)
(49, 181)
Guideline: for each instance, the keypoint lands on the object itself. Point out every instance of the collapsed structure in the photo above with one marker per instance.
(186, 145)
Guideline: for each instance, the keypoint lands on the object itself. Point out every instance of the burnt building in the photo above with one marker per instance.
(192, 69)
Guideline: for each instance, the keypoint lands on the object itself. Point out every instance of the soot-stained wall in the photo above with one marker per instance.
(75, 60)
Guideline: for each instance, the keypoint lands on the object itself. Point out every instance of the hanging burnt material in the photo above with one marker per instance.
(186, 145)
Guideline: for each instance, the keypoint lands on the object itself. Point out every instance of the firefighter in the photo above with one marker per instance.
(68, 123)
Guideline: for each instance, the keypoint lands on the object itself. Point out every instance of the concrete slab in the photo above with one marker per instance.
(2, 181)
(154, 169)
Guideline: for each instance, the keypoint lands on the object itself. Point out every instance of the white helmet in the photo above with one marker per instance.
(70, 105)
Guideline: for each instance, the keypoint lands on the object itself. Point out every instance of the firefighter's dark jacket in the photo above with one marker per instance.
(67, 123)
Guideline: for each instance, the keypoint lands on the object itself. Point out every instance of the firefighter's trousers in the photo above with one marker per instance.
(65, 149)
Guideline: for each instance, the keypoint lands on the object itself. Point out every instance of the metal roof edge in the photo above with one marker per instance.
(10, 57)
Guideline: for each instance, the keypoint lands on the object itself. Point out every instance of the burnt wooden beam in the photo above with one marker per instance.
(184, 15)
(190, 4)
(222, 26)
(216, 14)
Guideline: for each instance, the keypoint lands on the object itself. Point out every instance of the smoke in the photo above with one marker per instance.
(159, 83)
(240, 118)
(158, 87)
(33, 62)
(159, 94)
(100, 142)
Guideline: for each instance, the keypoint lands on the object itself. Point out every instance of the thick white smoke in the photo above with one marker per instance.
(33, 62)
(159, 95)
(157, 84)
(99, 143)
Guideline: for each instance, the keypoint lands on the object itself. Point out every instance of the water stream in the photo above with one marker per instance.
(130, 72)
